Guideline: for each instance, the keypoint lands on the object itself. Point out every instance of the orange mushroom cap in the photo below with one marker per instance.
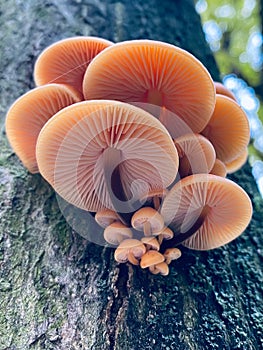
(219, 168)
(222, 206)
(222, 90)
(28, 115)
(237, 163)
(80, 150)
(155, 73)
(196, 154)
(130, 250)
(228, 129)
(66, 61)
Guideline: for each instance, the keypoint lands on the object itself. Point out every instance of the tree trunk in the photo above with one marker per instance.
(58, 291)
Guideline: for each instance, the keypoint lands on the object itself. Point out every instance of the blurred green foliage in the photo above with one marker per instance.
(233, 30)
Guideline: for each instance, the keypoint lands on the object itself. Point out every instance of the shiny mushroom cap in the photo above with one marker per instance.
(161, 268)
(152, 257)
(148, 220)
(155, 73)
(29, 113)
(219, 168)
(106, 217)
(94, 151)
(221, 208)
(116, 232)
(151, 243)
(172, 254)
(66, 61)
(228, 129)
(222, 90)
(237, 163)
(196, 154)
(130, 250)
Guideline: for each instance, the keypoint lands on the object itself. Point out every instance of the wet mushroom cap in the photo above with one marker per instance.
(116, 232)
(147, 215)
(219, 168)
(196, 154)
(81, 147)
(152, 257)
(127, 247)
(106, 217)
(228, 129)
(166, 233)
(155, 73)
(161, 268)
(29, 113)
(222, 90)
(223, 207)
(237, 163)
(172, 254)
(151, 243)
(66, 61)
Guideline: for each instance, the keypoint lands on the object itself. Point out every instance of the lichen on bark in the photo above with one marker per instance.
(59, 291)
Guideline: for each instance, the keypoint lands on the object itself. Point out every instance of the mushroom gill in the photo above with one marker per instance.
(93, 152)
(156, 73)
(228, 129)
(219, 207)
(66, 61)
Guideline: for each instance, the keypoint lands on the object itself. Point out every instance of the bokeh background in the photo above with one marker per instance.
(233, 30)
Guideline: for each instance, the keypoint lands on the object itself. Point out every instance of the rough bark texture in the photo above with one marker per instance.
(58, 291)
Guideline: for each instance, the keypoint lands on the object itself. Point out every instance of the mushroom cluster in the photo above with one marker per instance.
(123, 131)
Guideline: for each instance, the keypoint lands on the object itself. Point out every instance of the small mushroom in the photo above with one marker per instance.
(155, 73)
(29, 113)
(161, 268)
(228, 129)
(66, 61)
(92, 153)
(166, 234)
(219, 168)
(106, 217)
(206, 211)
(130, 250)
(172, 254)
(237, 163)
(222, 90)
(196, 154)
(147, 220)
(151, 258)
(116, 232)
(151, 243)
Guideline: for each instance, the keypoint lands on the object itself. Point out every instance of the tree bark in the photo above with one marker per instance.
(58, 291)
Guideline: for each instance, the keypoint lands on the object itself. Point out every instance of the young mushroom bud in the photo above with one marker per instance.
(106, 217)
(130, 250)
(147, 220)
(116, 232)
(151, 258)
(161, 268)
(151, 243)
(172, 254)
(166, 234)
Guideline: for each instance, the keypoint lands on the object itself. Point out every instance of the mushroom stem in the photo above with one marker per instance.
(112, 158)
(132, 259)
(156, 203)
(147, 229)
(179, 237)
